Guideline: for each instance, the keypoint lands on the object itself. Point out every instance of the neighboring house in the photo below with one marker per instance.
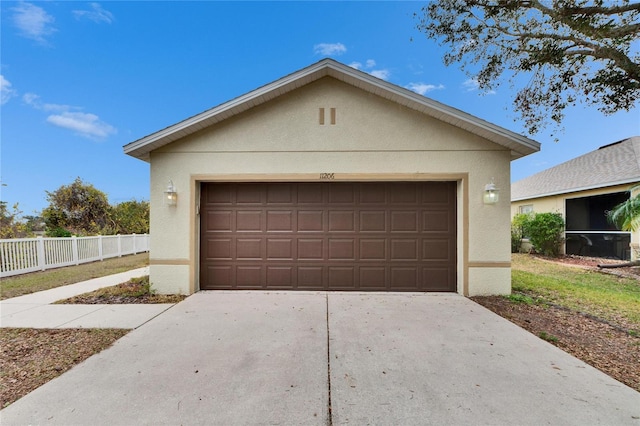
(583, 190)
(330, 179)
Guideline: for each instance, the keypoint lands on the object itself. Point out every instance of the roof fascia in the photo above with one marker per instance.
(580, 189)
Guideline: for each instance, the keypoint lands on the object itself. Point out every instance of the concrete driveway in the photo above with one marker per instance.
(329, 358)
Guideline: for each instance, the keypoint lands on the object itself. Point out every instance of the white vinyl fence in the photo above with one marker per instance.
(22, 255)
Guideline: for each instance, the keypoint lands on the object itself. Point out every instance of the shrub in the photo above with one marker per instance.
(519, 230)
(58, 232)
(546, 233)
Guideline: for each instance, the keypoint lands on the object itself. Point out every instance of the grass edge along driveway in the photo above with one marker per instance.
(44, 280)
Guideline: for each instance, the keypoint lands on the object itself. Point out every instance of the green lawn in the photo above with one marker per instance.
(44, 280)
(602, 295)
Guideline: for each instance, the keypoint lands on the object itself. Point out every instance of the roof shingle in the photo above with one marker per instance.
(613, 164)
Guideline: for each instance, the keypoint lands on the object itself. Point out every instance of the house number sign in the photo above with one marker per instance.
(327, 176)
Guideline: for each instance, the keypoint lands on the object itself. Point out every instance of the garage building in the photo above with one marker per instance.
(331, 179)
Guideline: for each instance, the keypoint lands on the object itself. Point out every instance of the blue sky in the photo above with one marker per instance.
(79, 80)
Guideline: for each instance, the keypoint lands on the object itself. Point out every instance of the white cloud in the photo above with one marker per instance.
(85, 124)
(329, 49)
(97, 14)
(6, 92)
(33, 21)
(370, 63)
(34, 101)
(69, 117)
(381, 74)
(472, 85)
(423, 88)
(31, 99)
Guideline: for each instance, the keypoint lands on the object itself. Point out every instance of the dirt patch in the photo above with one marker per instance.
(120, 299)
(134, 291)
(31, 357)
(605, 346)
(591, 263)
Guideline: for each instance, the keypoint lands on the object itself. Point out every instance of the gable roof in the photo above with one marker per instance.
(614, 164)
(519, 145)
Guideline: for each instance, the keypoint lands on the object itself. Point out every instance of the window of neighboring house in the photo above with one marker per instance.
(589, 233)
(526, 208)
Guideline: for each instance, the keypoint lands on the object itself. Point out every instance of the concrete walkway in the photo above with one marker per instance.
(307, 358)
(37, 311)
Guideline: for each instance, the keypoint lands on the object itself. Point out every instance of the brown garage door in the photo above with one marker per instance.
(398, 236)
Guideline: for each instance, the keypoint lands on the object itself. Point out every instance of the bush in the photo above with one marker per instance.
(546, 233)
(519, 230)
(58, 233)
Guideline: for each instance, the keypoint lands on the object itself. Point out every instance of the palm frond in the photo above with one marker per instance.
(626, 216)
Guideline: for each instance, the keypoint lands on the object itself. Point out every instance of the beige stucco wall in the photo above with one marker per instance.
(373, 139)
(556, 204)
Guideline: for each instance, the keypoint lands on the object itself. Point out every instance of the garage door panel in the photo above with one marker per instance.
(220, 248)
(311, 221)
(219, 277)
(341, 193)
(373, 278)
(374, 236)
(373, 249)
(280, 277)
(404, 250)
(280, 221)
(342, 249)
(404, 221)
(437, 193)
(341, 277)
(311, 249)
(437, 221)
(218, 195)
(405, 194)
(220, 221)
(311, 193)
(439, 277)
(248, 277)
(249, 194)
(373, 221)
(280, 194)
(436, 250)
(342, 221)
(374, 193)
(249, 221)
(249, 249)
(280, 248)
(311, 277)
(404, 278)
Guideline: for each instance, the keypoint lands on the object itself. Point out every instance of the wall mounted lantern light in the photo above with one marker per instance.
(491, 193)
(170, 195)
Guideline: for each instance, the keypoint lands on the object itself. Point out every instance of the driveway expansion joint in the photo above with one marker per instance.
(329, 415)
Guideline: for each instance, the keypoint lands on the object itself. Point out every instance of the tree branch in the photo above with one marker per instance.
(584, 27)
(620, 59)
(596, 10)
(624, 31)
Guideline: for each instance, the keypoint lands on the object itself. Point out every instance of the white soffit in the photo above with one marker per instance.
(518, 144)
